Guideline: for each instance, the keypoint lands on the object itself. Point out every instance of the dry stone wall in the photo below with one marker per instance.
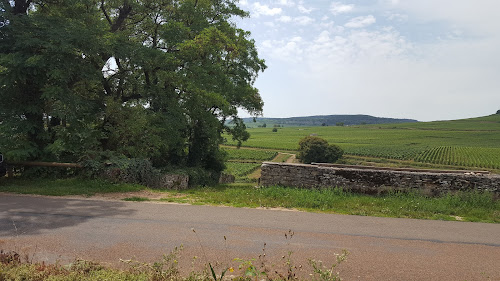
(375, 181)
(174, 181)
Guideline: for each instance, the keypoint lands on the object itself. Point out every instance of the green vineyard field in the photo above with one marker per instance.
(473, 143)
(239, 169)
(480, 157)
(250, 154)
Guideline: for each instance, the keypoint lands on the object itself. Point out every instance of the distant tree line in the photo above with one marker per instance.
(328, 120)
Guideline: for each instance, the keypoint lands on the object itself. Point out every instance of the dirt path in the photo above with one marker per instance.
(278, 158)
(291, 159)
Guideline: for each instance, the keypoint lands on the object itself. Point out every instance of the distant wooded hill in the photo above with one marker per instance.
(323, 120)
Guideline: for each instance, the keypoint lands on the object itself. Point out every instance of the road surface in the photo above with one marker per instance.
(61, 229)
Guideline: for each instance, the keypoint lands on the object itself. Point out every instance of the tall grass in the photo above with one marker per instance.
(467, 206)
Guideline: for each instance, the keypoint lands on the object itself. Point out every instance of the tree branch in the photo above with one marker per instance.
(21, 7)
(122, 16)
(105, 13)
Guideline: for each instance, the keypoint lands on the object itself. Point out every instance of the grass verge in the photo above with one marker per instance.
(63, 187)
(136, 199)
(466, 206)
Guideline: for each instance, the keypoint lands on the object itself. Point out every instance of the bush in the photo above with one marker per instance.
(134, 170)
(314, 149)
(275, 130)
(202, 177)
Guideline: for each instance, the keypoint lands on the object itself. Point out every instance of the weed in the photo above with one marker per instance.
(136, 199)
(321, 272)
(13, 268)
(164, 269)
(9, 258)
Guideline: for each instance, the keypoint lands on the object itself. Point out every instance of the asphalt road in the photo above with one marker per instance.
(61, 229)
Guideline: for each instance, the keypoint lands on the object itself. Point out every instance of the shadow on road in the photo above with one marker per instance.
(23, 215)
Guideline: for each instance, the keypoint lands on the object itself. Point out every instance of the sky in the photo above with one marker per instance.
(421, 59)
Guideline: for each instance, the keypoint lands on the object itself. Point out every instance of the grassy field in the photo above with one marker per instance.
(246, 154)
(470, 143)
(240, 170)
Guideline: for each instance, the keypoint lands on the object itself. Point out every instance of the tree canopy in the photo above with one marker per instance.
(153, 79)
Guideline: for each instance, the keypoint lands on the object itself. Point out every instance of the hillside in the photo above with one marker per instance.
(485, 123)
(468, 143)
(323, 120)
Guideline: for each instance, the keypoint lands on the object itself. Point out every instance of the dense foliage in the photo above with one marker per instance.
(95, 79)
(314, 149)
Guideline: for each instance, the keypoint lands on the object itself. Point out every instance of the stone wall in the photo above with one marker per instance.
(375, 181)
(226, 178)
(173, 181)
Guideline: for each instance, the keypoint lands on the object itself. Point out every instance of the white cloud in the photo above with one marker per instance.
(397, 17)
(327, 49)
(284, 19)
(303, 20)
(286, 3)
(259, 9)
(304, 10)
(362, 21)
(330, 25)
(323, 37)
(473, 16)
(339, 8)
(269, 24)
(288, 50)
(300, 20)
(443, 56)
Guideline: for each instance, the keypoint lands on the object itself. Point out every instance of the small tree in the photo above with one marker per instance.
(315, 149)
(498, 111)
(275, 130)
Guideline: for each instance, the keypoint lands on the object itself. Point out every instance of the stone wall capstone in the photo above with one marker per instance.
(375, 181)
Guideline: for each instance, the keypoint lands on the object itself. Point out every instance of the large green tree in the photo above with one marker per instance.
(140, 78)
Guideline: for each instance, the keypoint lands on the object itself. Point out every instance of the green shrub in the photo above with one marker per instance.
(315, 149)
(134, 170)
(201, 177)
